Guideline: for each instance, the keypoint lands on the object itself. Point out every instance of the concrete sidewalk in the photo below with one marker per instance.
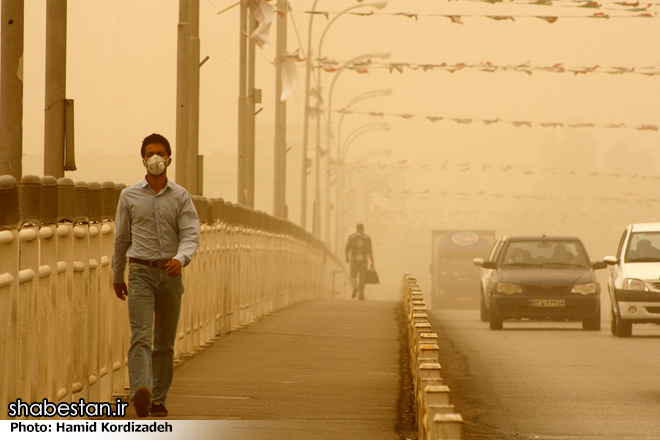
(323, 369)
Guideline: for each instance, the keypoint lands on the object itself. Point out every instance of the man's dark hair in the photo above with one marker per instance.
(360, 227)
(155, 139)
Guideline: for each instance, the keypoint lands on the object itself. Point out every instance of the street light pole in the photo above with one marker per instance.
(366, 95)
(183, 95)
(305, 167)
(308, 68)
(317, 204)
(341, 160)
(279, 184)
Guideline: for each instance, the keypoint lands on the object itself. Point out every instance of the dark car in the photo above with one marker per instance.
(540, 278)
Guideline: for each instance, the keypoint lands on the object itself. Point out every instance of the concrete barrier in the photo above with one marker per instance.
(437, 419)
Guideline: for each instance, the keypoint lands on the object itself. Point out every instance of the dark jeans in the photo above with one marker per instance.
(358, 273)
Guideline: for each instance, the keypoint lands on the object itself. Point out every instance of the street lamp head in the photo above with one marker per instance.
(378, 5)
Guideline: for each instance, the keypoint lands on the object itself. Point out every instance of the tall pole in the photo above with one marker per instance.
(56, 11)
(11, 89)
(183, 94)
(279, 185)
(316, 227)
(251, 120)
(242, 106)
(193, 131)
(341, 160)
(305, 166)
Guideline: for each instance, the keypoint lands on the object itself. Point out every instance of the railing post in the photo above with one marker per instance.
(9, 242)
(47, 305)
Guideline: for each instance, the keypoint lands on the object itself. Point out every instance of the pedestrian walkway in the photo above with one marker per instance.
(322, 369)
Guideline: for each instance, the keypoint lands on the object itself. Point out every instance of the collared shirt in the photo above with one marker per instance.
(154, 226)
(359, 244)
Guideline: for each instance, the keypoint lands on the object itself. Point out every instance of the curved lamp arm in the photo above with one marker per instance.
(365, 95)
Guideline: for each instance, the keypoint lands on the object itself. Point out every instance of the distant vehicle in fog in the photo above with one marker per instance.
(539, 278)
(453, 277)
(634, 284)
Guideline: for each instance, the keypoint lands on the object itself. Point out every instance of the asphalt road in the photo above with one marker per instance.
(550, 380)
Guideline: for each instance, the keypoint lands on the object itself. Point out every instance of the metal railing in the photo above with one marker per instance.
(63, 333)
(437, 419)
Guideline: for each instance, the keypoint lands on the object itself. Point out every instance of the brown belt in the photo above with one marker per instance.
(158, 263)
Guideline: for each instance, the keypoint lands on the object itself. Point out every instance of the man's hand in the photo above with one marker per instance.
(173, 268)
(121, 290)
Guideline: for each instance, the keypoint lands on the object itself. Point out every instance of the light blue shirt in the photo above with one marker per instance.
(154, 226)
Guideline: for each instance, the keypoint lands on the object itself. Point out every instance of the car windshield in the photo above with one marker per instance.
(546, 254)
(643, 247)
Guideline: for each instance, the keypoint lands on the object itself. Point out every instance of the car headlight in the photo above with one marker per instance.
(508, 288)
(584, 288)
(633, 284)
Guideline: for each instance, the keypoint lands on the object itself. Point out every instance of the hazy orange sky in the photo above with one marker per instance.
(122, 76)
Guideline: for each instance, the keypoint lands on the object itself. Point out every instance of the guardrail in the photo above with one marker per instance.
(63, 333)
(437, 419)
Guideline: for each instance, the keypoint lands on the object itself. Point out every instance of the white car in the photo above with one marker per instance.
(634, 283)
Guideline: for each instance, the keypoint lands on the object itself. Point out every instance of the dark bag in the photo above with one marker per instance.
(371, 277)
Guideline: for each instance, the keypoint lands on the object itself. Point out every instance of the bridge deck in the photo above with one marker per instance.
(322, 369)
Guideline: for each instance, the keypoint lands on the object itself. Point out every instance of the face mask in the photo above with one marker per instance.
(156, 165)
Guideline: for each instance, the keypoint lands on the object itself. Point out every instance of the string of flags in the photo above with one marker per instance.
(427, 194)
(526, 170)
(632, 12)
(330, 65)
(466, 121)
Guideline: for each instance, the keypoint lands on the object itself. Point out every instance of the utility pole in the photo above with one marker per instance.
(242, 106)
(54, 123)
(252, 100)
(183, 94)
(11, 85)
(247, 97)
(192, 175)
(279, 186)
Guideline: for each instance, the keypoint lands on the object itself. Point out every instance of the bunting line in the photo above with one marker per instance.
(424, 195)
(458, 18)
(330, 65)
(466, 121)
(526, 170)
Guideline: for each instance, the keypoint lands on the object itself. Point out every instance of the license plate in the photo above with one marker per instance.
(547, 303)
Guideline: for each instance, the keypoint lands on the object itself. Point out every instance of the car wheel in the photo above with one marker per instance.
(592, 323)
(494, 321)
(484, 310)
(613, 322)
(623, 327)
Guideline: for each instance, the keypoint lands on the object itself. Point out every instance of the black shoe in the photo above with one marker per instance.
(355, 291)
(158, 410)
(142, 401)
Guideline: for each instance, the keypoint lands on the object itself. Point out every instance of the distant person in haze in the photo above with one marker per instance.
(157, 228)
(358, 254)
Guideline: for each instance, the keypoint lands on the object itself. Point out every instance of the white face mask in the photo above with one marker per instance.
(156, 165)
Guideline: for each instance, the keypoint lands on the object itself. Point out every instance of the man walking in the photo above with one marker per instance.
(359, 249)
(157, 228)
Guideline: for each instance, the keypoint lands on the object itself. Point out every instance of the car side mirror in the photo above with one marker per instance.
(599, 265)
(489, 265)
(478, 261)
(610, 261)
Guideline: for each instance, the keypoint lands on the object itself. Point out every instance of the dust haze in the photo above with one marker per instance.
(503, 171)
